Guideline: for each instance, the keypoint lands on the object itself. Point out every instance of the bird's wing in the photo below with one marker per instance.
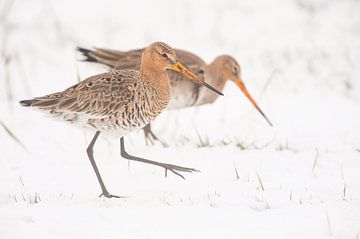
(97, 96)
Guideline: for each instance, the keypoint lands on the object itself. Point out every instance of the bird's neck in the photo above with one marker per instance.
(156, 78)
(213, 77)
(216, 76)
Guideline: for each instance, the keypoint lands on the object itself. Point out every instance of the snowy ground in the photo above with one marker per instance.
(299, 179)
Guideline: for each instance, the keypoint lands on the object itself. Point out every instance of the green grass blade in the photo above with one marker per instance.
(78, 78)
(236, 172)
(13, 136)
(261, 184)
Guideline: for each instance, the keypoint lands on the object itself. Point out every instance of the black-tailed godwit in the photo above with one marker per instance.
(119, 102)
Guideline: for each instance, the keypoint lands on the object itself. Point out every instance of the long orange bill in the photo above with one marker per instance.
(180, 68)
(242, 87)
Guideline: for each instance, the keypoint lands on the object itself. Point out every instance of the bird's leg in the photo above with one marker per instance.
(172, 168)
(151, 137)
(90, 154)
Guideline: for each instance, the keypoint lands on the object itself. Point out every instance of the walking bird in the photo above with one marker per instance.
(119, 102)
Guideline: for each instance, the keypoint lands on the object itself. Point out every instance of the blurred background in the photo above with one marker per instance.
(300, 60)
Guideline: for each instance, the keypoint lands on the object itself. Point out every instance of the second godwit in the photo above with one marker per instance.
(184, 93)
(119, 102)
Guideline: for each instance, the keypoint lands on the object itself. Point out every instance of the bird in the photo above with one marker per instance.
(185, 93)
(119, 102)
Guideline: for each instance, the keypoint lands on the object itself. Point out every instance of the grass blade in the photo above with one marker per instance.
(78, 78)
(236, 172)
(261, 184)
(315, 162)
(12, 135)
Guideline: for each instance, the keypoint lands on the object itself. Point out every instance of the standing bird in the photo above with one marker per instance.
(184, 93)
(119, 102)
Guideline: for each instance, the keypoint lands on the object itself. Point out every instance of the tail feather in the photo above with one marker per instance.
(99, 56)
(86, 53)
(28, 103)
(40, 103)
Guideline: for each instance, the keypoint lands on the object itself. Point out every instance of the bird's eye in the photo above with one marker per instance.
(164, 55)
(235, 70)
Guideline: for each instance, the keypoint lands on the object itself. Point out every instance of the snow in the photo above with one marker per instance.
(298, 179)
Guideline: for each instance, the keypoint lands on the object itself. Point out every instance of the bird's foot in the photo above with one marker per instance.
(176, 169)
(108, 195)
(150, 138)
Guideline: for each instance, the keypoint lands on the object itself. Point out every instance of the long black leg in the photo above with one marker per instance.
(90, 154)
(150, 137)
(172, 168)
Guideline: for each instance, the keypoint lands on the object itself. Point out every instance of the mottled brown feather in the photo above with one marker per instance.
(91, 91)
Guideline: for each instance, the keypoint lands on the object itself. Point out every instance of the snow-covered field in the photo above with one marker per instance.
(299, 179)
